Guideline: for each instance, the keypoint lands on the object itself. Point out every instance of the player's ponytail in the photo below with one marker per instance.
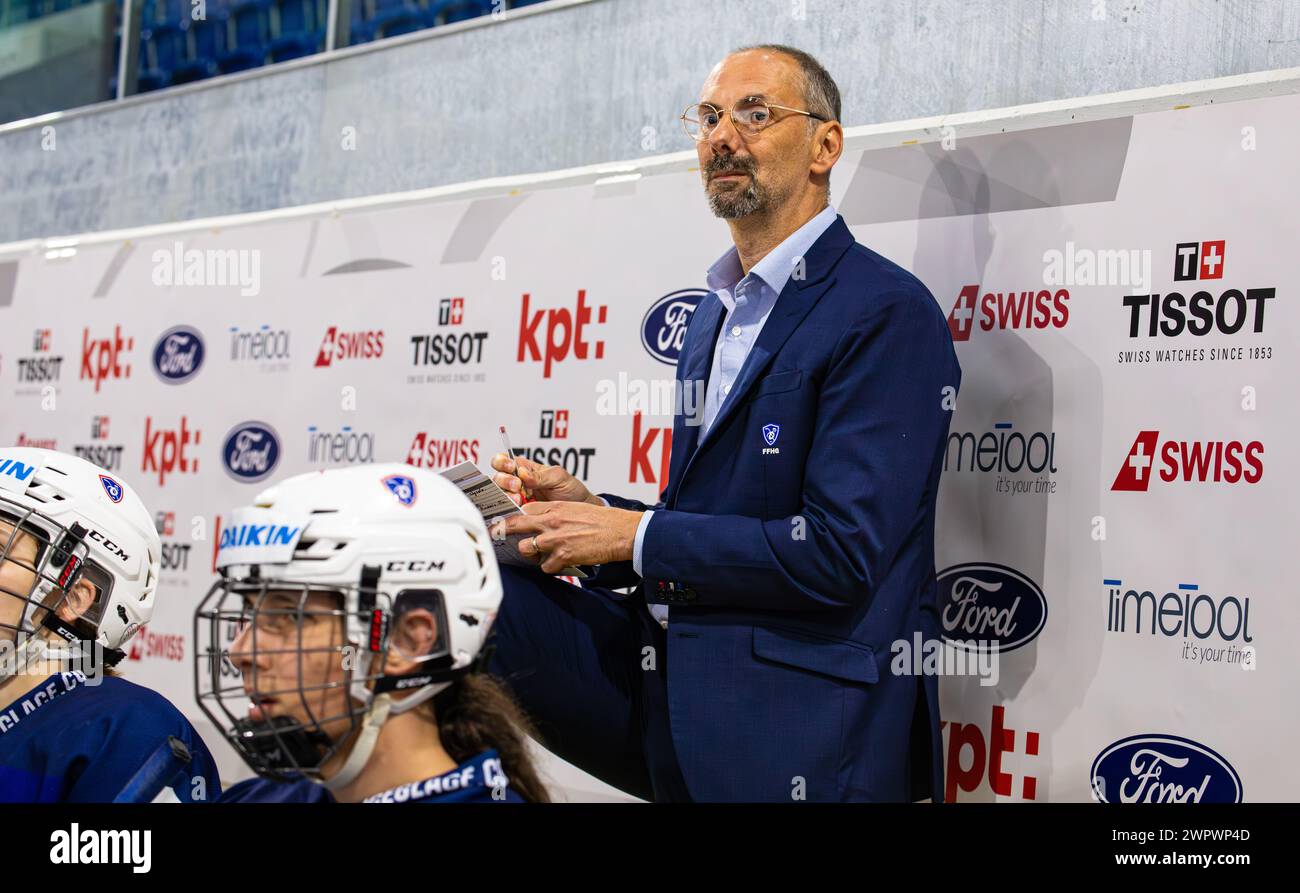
(475, 714)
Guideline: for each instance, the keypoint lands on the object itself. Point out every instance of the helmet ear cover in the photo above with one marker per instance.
(61, 564)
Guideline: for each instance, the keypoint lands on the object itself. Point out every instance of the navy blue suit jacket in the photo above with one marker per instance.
(793, 565)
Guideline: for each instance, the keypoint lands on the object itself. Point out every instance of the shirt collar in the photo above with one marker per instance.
(776, 266)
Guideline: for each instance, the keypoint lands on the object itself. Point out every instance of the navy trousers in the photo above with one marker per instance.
(591, 672)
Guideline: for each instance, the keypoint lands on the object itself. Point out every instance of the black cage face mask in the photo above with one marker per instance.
(41, 561)
(285, 674)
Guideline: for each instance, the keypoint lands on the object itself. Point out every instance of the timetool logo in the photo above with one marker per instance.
(344, 446)
(1213, 630)
(1041, 309)
(1004, 451)
(264, 346)
(1208, 309)
(1189, 461)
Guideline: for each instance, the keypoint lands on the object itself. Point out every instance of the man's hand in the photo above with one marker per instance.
(545, 483)
(573, 533)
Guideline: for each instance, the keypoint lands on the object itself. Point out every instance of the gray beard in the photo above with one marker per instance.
(733, 204)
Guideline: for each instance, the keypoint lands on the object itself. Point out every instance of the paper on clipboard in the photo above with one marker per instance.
(493, 503)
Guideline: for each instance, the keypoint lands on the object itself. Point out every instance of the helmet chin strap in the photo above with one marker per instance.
(381, 707)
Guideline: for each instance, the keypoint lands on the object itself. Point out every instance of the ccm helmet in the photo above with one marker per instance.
(380, 540)
(64, 521)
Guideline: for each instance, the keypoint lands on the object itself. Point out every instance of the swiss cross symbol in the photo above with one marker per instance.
(1212, 259)
(1199, 260)
(962, 317)
(451, 311)
(1135, 473)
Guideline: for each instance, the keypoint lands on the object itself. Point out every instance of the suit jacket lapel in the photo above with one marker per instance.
(794, 303)
(696, 364)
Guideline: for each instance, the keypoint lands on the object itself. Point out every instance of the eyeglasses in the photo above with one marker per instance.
(750, 116)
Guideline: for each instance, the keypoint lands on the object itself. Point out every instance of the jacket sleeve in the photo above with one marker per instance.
(621, 574)
(883, 413)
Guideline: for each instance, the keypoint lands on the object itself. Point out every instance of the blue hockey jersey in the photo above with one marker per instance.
(477, 780)
(68, 740)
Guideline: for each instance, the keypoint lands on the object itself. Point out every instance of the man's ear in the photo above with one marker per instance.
(828, 147)
(414, 635)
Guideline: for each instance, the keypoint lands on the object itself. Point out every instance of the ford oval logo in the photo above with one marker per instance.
(664, 324)
(1163, 769)
(990, 606)
(251, 452)
(178, 355)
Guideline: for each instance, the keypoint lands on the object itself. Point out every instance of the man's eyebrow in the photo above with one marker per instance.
(719, 105)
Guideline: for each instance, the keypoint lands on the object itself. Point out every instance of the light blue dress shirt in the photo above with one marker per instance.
(748, 299)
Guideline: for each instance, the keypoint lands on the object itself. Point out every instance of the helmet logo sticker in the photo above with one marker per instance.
(112, 488)
(402, 487)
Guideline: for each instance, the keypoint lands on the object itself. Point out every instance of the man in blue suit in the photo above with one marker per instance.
(794, 542)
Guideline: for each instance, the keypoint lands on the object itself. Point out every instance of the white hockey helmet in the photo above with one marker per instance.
(88, 525)
(381, 537)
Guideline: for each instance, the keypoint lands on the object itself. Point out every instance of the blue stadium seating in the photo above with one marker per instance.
(247, 31)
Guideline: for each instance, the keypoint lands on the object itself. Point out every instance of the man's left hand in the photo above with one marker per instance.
(573, 533)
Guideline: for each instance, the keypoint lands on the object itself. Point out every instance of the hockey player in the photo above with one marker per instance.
(79, 562)
(354, 604)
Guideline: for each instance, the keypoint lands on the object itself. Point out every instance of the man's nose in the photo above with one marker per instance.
(724, 136)
(241, 650)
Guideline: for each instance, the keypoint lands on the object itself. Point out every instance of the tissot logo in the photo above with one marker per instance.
(454, 348)
(1199, 260)
(1189, 461)
(451, 311)
(107, 456)
(554, 425)
(42, 368)
(1200, 312)
(1029, 309)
